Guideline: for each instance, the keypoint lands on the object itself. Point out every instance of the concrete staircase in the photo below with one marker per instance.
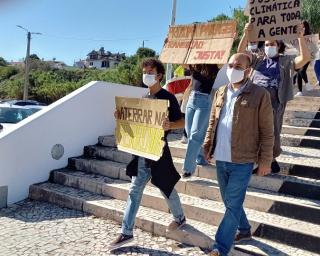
(284, 209)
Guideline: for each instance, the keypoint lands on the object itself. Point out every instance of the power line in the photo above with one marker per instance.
(99, 39)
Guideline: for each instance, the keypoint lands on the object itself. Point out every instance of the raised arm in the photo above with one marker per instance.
(305, 55)
(245, 38)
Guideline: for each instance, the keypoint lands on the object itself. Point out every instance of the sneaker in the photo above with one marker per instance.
(309, 87)
(119, 241)
(202, 162)
(176, 225)
(299, 94)
(240, 237)
(186, 175)
(215, 252)
(184, 140)
(275, 167)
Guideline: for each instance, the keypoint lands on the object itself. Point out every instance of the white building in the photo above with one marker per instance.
(100, 60)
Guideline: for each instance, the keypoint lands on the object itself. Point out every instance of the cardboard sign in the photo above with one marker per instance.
(139, 126)
(274, 19)
(207, 43)
(312, 42)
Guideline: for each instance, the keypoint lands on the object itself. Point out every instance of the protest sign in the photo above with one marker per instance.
(274, 19)
(139, 126)
(206, 43)
(312, 42)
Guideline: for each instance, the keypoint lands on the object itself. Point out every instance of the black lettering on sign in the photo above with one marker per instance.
(262, 34)
(274, 19)
(266, 20)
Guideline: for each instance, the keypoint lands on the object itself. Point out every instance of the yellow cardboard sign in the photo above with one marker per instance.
(139, 126)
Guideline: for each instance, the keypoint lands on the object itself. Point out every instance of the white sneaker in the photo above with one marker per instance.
(299, 94)
(184, 140)
(309, 87)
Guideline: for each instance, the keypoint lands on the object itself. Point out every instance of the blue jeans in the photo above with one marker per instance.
(317, 69)
(233, 182)
(135, 194)
(197, 120)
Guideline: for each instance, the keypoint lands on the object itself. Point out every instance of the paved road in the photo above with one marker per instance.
(32, 228)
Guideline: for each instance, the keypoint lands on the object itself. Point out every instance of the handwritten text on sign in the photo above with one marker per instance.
(312, 42)
(274, 19)
(139, 126)
(208, 43)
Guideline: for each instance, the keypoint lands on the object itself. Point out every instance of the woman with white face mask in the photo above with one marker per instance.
(197, 114)
(274, 71)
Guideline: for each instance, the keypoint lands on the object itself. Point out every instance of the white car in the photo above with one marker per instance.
(11, 114)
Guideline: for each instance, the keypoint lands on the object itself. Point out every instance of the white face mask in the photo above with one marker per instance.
(252, 47)
(235, 76)
(271, 51)
(149, 80)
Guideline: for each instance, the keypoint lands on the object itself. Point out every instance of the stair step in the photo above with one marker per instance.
(195, 233)
(303, 107)
(289, 185)
(304, 131)
(301, 162)
(302, 114)
(260, 200)
(268, 185)
(300, 122)
(307, 99)
(300, 141)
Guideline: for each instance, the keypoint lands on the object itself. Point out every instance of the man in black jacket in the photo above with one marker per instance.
(162, 172)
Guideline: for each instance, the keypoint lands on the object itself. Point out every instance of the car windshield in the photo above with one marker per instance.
(13, 115)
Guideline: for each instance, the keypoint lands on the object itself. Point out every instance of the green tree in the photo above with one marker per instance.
(145, 53)
(220, 17)
(311, 13)
(3, 62)
(34, 57)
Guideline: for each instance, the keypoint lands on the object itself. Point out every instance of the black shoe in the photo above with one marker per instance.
(275, 167)
(240, 237)
(119, 241)
(186, 175)
(255, 171)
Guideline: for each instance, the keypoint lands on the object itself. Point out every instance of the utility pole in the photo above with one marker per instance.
(27, 62)
(143, 43)
(173, 22)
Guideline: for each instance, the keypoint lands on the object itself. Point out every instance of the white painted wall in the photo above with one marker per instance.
(96, 64)
(74, 121)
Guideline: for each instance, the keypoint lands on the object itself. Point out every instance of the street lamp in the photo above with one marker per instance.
(26, 75)
(173, 22)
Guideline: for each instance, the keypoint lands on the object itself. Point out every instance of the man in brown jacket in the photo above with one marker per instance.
(240, 133)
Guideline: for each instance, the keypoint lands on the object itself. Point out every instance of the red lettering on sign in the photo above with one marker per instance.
(209, 55)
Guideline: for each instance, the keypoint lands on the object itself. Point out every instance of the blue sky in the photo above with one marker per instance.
(72, 28)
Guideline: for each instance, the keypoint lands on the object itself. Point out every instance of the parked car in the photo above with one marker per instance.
(11, 114)
(25, 103)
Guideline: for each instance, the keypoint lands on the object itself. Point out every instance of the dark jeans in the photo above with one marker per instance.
(317, 69)
(278, 112)
(302, 75)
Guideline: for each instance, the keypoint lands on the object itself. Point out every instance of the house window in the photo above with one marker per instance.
(105, 64)
(91, 64)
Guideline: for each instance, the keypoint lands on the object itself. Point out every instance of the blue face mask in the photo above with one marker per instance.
(271, 51)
